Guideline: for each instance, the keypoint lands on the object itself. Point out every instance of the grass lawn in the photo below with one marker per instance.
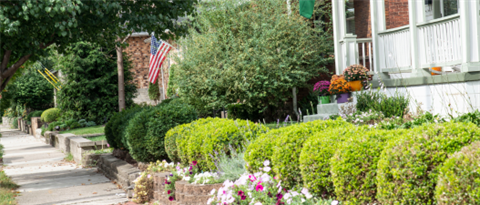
(98, 138)
(86, 130)
(7, 189)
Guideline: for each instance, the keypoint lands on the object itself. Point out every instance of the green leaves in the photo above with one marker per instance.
(229, 56)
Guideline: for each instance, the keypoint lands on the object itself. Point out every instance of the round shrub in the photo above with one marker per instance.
(408, 167)
(315, 158)
(288, 146)
(116, 126)
(50, 115)
(459, 177)
(166, 117)
(146, 131)
(262, 149)
(178, 132)
(217, 135)
(354, 165)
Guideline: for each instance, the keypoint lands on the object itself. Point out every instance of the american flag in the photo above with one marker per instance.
(158, 53)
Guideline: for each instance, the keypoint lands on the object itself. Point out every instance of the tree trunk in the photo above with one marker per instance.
(121, 80)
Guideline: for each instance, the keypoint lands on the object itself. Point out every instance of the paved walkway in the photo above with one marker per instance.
(45, 178)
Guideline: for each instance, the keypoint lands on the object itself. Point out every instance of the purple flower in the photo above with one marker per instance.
(286, 119)
(169, 191)
(171, 198)
(194, 163)
(279, 196)
(191, 173)
(171, 175)
(243, 197)
(240, 193)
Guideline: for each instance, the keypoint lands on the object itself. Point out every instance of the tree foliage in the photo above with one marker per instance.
(251, 51)
(29, 26)
(90, 84)
(32, 90)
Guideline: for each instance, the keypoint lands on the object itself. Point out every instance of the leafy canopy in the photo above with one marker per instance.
(29, 26)
(251, 51)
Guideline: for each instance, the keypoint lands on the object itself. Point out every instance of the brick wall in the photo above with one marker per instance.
(139, 53)
(396, 13)
(363, 28)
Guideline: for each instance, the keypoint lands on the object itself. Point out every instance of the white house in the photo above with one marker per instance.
(401, 40)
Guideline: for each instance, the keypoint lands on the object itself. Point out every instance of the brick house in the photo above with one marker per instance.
(139, 53)
(406, 42)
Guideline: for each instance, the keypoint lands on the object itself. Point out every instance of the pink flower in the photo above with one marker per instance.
(169, 191)
(252, 178)
(259, 187)
(194, 163)
(108, 145)
(148, 176)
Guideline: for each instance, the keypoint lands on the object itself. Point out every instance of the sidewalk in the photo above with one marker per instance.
(44, 178)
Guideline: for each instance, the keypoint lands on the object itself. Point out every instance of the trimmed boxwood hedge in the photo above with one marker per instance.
(408, 168)
(289, 144)
(145, 134)
(50, 115)
(178, 132)
(354, 165)
(315, 158)
(214, 135)
(459, 177)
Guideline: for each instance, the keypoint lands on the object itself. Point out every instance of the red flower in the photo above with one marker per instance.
(169, 191)
(243, 197)
(171, 198)
(240, 193)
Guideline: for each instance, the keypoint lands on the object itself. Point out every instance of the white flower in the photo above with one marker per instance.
(212, 192)
(210, 200)
(267, 169)
(335, 202)
(258, 203)
(265, 178)
(266, 163)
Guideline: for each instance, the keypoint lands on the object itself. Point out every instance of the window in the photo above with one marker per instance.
(435, 9)
(350, 16)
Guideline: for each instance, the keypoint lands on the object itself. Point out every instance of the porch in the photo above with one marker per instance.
(448, 41)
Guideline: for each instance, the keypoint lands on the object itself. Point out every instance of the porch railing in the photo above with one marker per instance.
(395, 52)
(357, 51)
(440, 42)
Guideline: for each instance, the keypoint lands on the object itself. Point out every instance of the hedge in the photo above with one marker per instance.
(50, 115)
(178, 132)
(262, 149)
(116, 126)
(288, 146)
(408, 168)
(216, 135)
(354, 165)
(315, 158)
(37, 113)
(145, 133)
(459, 177)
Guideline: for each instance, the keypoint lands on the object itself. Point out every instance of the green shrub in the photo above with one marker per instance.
(262, 149)
(116, 126)
(214, 135)
(459, 177)
(315, 158)
(408, 167)
(354, 165)
(37, 113)
(50, 115)
(174, 134)
(289, 144)
(146, 132)
(473, 117)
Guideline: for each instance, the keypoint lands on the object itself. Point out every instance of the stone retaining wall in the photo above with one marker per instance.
(7, 121)
(185, 193)
(117, 170)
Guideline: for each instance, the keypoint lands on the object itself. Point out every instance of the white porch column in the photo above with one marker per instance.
(339, 29)
(413, 12)
(470, 30)
(377, 16)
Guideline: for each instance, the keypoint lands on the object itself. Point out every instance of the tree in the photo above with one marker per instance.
(90, 83)
(253, 52)
(27, 27)
(32, 90)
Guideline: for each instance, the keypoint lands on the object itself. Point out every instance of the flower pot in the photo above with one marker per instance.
(324, 99)
(343, 98)
(355, 85)
(436, 70)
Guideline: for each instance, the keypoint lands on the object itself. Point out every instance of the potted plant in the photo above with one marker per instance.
(321, 87)
(354, 75)
(339, 87)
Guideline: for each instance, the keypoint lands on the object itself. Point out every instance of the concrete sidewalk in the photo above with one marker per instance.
(44, 177)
